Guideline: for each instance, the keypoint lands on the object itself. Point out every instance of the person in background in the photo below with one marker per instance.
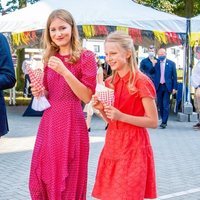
(27, 81)
(7, 80)
(195, 81)
(126, 164)
(106, 70)
(147, 65)
(88, 107)
(60, 157)
(165, 83)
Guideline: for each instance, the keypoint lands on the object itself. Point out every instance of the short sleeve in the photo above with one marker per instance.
(145, 87)
(88, 69)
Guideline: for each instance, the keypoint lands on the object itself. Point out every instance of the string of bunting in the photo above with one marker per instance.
(24, 38)
(91, 31)
(136, 35)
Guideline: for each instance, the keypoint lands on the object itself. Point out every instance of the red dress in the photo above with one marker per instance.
(126, 166)
(60, 156)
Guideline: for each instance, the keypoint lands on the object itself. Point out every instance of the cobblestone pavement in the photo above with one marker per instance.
(176, 151)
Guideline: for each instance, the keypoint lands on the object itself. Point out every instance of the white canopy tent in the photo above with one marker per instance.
(195, 24)
(125, 13)
(86, 12)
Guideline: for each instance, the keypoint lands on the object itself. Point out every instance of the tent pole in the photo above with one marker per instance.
(187, 107)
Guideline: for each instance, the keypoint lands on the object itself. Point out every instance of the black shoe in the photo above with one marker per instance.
(163, 125)
(89, 129)
(106, 127)
(197, 126)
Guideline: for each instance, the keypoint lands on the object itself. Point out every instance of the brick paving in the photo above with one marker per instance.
(176, 151)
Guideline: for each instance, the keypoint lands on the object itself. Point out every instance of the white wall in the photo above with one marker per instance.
(95, 45)
(37, 53)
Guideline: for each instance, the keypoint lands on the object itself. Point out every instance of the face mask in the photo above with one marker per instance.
(161, 58)
(151, 54)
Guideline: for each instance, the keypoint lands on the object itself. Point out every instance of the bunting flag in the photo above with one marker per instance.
(92, 31)
(121, 28)
(80, 30)
(100, 30)
(148, 34)
(88, 31)
(160, 36)
(135, 34)
(182, 37)
(173, 38)
(194, 39)
(111, 28)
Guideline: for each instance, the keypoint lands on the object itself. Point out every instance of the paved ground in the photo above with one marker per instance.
(176, 152)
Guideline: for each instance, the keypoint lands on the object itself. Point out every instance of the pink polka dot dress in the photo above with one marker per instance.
(60, 156)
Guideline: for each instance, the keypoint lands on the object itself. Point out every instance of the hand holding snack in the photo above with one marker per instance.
(36, 74)
(112, 113)
(56, 64)
(36, 91)
(105, 94)
(36, 77)
(96, 103)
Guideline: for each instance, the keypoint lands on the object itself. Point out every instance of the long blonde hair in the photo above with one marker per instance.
(50, 47)
(126, 42)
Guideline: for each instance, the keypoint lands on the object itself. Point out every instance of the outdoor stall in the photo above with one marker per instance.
(146, 25)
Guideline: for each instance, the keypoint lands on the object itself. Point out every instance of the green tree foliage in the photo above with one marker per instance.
(157, 4)
(13, 5)
(1, 7)
(184, 8)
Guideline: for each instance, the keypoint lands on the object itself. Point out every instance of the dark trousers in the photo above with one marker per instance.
(163, 100)
(27, 88)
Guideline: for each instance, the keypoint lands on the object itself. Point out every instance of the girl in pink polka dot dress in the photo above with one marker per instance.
(60, 156)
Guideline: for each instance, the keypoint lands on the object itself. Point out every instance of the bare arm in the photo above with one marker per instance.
(100, 76)
(99, 106)
(79, 89)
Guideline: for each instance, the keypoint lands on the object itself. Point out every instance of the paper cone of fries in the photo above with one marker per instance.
(105, 94)
(36, 75)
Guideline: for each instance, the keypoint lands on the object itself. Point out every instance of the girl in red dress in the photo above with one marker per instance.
(126, 166)
(60, 156)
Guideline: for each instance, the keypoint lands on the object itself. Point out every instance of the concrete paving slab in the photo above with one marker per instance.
(176, 151)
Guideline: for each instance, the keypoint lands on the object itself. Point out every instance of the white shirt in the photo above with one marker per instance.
(195, 78)
(34, 64)
(25, 62)
(162, 71)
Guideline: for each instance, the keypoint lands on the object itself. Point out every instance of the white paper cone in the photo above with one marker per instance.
(40, 103)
